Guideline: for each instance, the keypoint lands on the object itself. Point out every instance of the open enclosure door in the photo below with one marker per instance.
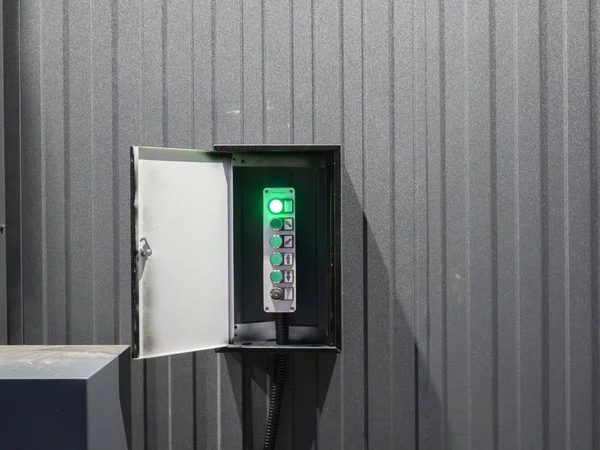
(182, 260)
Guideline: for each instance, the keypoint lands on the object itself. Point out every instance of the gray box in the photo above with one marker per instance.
(65, 397)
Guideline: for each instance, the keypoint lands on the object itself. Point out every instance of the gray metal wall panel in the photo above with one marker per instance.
(32, 219)
(12, 141)
(326, 124)
(470, 214)
(127, 116)
(53, 141)
(506, 207)
(3, 302)
(350, 365)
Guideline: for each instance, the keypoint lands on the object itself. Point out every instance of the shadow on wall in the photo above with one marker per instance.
(298, 412)
(396, 403)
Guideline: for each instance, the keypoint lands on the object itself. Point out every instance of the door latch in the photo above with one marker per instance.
(145, 250)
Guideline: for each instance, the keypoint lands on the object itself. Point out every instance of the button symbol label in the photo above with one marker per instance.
(288, 241)
(288, 224)
(288, 259)
(288, 293)
(289, 276)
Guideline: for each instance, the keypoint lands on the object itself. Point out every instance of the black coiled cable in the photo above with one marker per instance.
(276, 394)
(281, 329)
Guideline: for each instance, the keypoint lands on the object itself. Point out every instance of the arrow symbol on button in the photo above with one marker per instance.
(288, 276)
(288, 259)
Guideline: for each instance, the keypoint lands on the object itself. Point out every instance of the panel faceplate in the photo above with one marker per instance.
(279, 250)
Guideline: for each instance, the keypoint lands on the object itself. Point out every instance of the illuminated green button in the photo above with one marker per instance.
(276, 259)
(288, 206)
(276, 241)
(276, 276)
(276, 224)
(275, 206)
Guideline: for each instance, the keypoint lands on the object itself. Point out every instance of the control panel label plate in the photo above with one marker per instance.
(279, 238)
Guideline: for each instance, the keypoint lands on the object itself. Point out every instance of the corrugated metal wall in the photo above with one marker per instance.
(470, 217)
(3, 299)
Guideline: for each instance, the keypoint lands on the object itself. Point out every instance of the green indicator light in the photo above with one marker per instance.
(276, 241)
(276, 224)
(276, 259)
(276, 276)
(275, 206)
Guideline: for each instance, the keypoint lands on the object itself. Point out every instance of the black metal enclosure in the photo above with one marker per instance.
(315, 172)
(469, 206)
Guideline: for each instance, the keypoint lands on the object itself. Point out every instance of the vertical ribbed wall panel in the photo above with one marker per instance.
(470, 206)
(3, 298)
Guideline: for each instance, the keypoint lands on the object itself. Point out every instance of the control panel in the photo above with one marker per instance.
(198, 283)
(279, 250)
